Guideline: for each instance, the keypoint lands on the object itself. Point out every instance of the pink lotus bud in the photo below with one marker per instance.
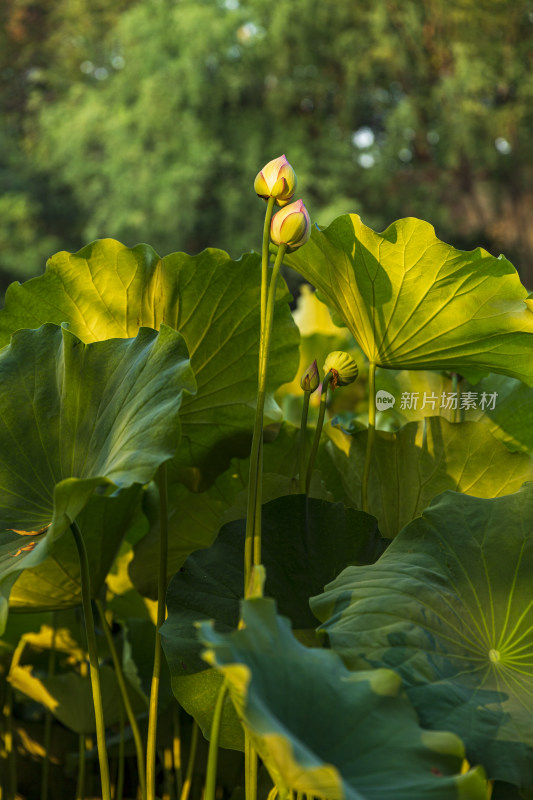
(310, 379)
(291, 225)
(276, 179)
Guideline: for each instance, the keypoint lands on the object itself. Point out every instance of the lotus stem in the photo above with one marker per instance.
(93, 661)
(161, 598)
(212, 759)
(252, 545)
(190, 762)
(318, 432)
(371, 433)
(303, 431)
(125, 699)
(176, 748)
(250, 769)
(48, 717)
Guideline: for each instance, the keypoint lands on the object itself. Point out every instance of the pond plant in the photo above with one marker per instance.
(342, 613)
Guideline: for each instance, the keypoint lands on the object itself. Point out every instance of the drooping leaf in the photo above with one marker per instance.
(412, 466)
(414, 302)
(73, 419)
(449, 607)
(108, 290)
(325, 731)
(304, 542)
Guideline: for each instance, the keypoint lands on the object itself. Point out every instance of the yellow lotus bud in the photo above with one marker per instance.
(310, 379)
(342, 366)
(291, 226)
(276, 179)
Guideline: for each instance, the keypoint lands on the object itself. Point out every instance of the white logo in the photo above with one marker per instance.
(384, 400)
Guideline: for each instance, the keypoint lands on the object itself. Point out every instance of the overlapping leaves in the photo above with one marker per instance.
(325, 731)
(73, 419)
(449, 607)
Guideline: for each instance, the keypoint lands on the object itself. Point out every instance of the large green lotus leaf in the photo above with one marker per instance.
(449, 606)
(325, 731)
(421, 460)
(74, 418)
(511, 417)
(69, 696)
(196, 517)
(414, 302)
(108, 290)
(304, 542)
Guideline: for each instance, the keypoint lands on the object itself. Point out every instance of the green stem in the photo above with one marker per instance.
(176, 748)
(455, 387)
(48, 718)
(250, 769)
(190, 762)
(93, 661)
(303, 431)
(11, 788)
(252, 545)
(371, 432)
(125, 698)
(212, 759)
(120, 770)
(318, 431)
(265, 259)
(161, 597)
(81, 768)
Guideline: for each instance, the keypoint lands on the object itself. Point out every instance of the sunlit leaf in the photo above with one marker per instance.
(414, 302)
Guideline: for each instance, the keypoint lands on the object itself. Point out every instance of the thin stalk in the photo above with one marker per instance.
(161, 597)
(265, 259)
(371, 433)
(167, 773)
(48, 718)
(11, 788)
(176, 748)
(455, 386)
(250, 769)
(125, 698)
(252, 545)
(212, 759)
(93, 661)
(303, 431)
(318, 431)
(120, 769)
(80, 784)
(190, 763)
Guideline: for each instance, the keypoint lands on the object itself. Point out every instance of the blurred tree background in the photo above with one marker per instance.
(147, 120)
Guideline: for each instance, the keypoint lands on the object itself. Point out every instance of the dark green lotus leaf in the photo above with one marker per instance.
(304, 542)
(449, 607)
(74, 418)
(196, 517)
(421, 460)
(414, 302)
(108, 290)
(325, 731)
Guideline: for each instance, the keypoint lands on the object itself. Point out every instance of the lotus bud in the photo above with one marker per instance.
(291, 226)
(276, 179)
(342, 366)
(310, 379)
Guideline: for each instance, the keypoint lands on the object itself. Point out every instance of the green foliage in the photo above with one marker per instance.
(448, 606)
(325, 731)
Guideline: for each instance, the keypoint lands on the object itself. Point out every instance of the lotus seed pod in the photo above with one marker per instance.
(276, 179)
(310, 379)
(342, 366)
(291, 226)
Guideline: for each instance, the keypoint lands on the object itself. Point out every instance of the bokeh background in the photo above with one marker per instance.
(147, 120)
